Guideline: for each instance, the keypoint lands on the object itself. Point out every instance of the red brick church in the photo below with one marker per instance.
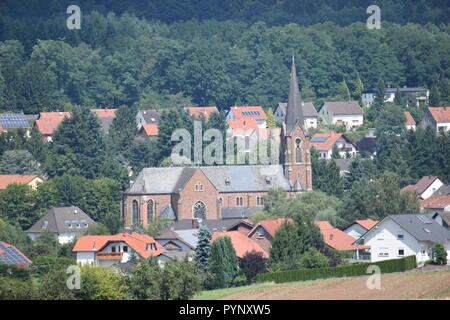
(223, 192)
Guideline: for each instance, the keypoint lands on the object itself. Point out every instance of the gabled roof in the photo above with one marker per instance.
(151, 116)
(242, 125)
(150, 129)
(205, 111)
(105, 113)
(336, 238)
(309, 111)
(445, 215)
(48, 122)
(366, 224)
(440, 114)
(343, 107)
(241, 243)
(436, 202)
(9, 254)
(249, 112)
(271, 226)
(7, 179)
(409, 119)
(212, 225)
(138, 242)
(172, 235)
(421, 185)
(325, 141)
(63, 220)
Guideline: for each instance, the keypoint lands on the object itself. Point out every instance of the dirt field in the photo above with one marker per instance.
(409, 285)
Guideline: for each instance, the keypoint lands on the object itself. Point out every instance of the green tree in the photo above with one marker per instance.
(270, 122)
(17, 205)
(123, 128)
(37, 146)
(439, 254)
(19, 162)
(203, 248)
(253, 263)
(222, 263)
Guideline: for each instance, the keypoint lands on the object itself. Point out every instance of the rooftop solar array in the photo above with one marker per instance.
(319, 139)
(10, 255)
(10, 120)
(251, 113)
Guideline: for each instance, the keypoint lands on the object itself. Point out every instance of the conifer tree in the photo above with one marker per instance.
(203, 248)
(222, 263)
(270, 123)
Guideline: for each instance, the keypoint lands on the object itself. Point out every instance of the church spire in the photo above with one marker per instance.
(294, 110)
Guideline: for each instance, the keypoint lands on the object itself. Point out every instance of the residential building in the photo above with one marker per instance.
(359, 227)
(248, 112)
(11, 255)
(48, 122)
(341, 241)
(343, 165)
(410, 122)
(443, 218)
(66, 223)
(175, 245)
(201, 111)
(14, 121)
(413, 96)
(401, 235)
(148, 130)
(109, 250)
(106, 117)
(435, 203)
(342, 113)
(309, 113)
(262, 234)
(212, 192)
(144, 117)
(241, 243)
(30, 179)
(438, 118)
(425, 187)
(325, 142)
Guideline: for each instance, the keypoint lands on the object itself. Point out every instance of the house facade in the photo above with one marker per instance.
(48, 122)
(309, 113)
(325, 142)
(145, 117)
(438, 118)
(30, 179)
(248, 112)
(414, 96)
(343, 113)
(425, 187)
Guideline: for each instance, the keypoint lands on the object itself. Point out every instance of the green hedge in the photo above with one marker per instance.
(42, 264)
(357, 269)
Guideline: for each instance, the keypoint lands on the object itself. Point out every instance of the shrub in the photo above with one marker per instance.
(358, 269)
(43, 264)
(252, 264)
(439, 254)
(13, 271)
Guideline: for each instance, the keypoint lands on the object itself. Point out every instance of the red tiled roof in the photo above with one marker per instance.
(409, 119)
(243, 125)
(138, 242)
(197, 111)
(48, 122)
(421, 185)
(327, 144)
(366, 224)
(241, 243)
(53, 115)
(238, 112)
(17, 251)
(271, 226)
(7, 179)
(105, 113)
(150, 129)
(436, 202)
(440, 114)
(336, 238)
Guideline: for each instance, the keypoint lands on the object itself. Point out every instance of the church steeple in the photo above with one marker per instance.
(294, 108)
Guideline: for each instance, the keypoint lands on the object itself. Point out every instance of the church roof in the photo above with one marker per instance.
(294, 112)
(252, 178)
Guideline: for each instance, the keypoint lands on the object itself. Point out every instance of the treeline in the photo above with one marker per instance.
(125, 60)
(304, 12)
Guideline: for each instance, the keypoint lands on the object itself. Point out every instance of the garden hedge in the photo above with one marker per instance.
(357, 269)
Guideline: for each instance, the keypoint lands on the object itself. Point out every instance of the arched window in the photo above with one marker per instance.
(135, 208)
(298, 151)
(239, 201)
(150, 210)
(199, 210)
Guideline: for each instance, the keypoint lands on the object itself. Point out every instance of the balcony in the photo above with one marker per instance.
(109, 256)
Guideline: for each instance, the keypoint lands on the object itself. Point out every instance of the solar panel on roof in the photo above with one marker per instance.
(319, 139)
(13, 120)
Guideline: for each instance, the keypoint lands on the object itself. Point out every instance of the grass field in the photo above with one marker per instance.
(407, 285)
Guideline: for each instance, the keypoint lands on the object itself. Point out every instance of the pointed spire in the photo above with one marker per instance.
(294, 110)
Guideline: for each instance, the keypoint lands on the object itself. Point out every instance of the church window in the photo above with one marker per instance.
(199, 210)
(298, 151)
(135, 211)
(150, 210)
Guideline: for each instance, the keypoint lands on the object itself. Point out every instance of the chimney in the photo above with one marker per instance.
(331, 236)
(93, 246)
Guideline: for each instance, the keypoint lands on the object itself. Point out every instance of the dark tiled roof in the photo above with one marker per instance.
(343, 107)
(151, 116)
(445, 215)
(308, 109)
(422, 227)
(443, 191)
(239, 212)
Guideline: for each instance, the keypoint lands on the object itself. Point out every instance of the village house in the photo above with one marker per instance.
(438, 118)
(425, 187)
(148, 130)
(14, 121)
(106, 117)
(207, 192)
(359, 227)
(443, 218)
(413, 96)
(410, 122)
(11, 255)
(325, 142)
(241, 243)
(343, 165)
(201, 111)
(309, 113)
(435, 203)
(110, 250)
(29, 179)
(342, 113)
(401, 235)
(48, 122)
(145, 117)
(66, 223)
(248, 112)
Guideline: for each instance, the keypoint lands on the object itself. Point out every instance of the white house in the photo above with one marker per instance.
(438, 118)
(144, 117)
(359, 227)
(426, 186)
(342, 113)
(66, 223)
(401, 235)
(414, 94)
(410, 122)
(248, 112)
(324, 143)
(109, 250)
(309, 114)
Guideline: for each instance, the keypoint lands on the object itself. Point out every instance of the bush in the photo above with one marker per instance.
(439, 254)
(13, 271)
(240, 280)
(252, 264)
(359, 269)
(43, 264)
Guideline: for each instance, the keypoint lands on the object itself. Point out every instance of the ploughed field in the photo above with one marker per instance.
(407, 285)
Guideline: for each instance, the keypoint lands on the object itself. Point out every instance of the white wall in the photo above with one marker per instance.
(446, 126)
(86, 257)
(355, 230)
(432, 189)
(383, 239)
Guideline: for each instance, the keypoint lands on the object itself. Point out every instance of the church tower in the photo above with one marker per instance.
(295, 148)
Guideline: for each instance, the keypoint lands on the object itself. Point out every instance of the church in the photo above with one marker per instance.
(223, 192)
